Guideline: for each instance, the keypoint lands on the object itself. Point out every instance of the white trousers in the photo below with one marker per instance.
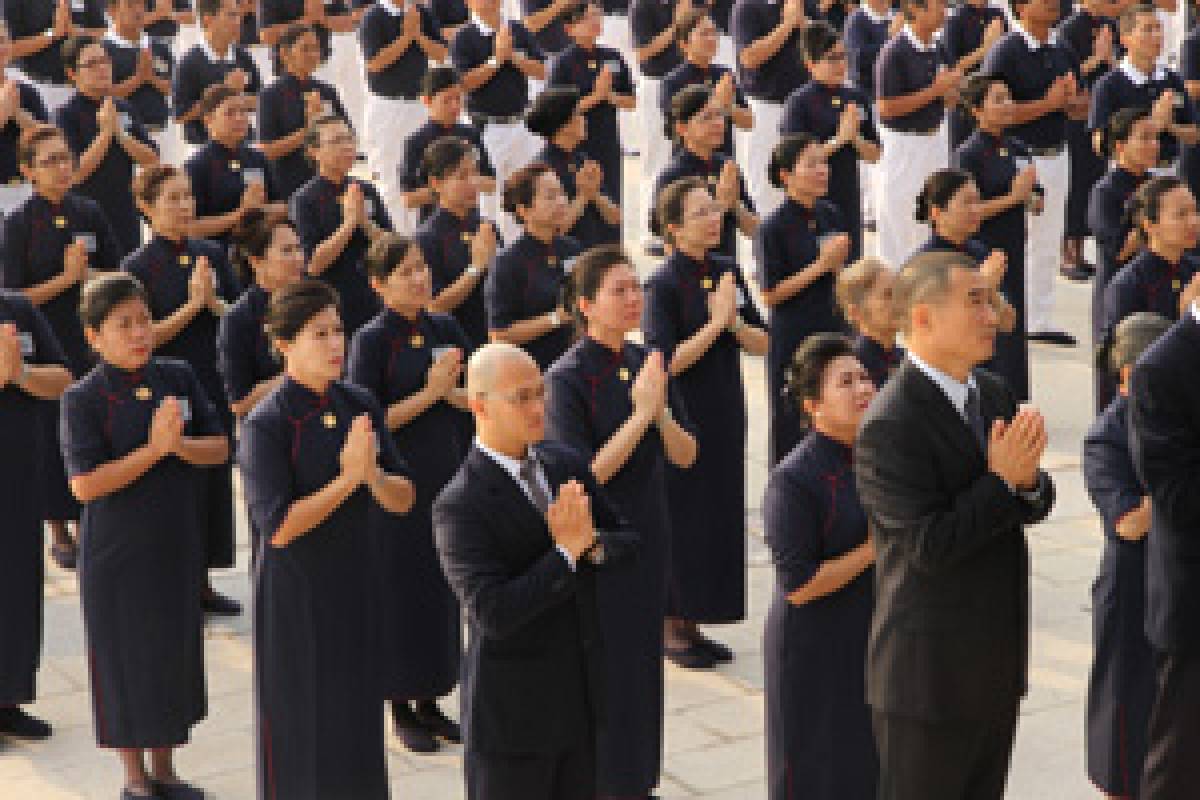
(1044, 247)
(655, 147)
(905, 161)
(754, 154)
(346, 72)
(726, 55)
(389, 123)
(170, 143)
(509, 147)
(617, 35)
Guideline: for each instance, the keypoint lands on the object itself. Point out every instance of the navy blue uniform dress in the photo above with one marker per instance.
(865, 35)
(789, 242)
(707, 576)
(591, 229)
(110, 184)
(880, 361)
(527, 281)
(31, 104)
(816, 109)
(648, 19)
(507, 93)
(445, 243)
(1107, 220)
(200, 68)
(686, 164)
(141, 556)
(422, 641)
(553, 38)
(150, 106)
(164, 268)
(35, 236)
(1147, 283)
(32, 17)
(781, 74)
(588, 401)
(413, 178)
(316, 211)
(819, 740)
(1121, 687)
(280, 114)
(281, 12)
(1078, 32)
(994, 163)
(219, 177)
(22, 478)
(577, 67)
(962, 34)
(320, 725)
(450, 13)
(688, 74)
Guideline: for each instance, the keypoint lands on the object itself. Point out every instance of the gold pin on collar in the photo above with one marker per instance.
(236, 166)
(329, 419)
(707, 283)
(417, 340)
(60, 222)
(142, 393)
(623, 373)
(185, 259)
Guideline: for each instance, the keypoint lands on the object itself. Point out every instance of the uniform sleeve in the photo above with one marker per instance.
(1189, 58)
(389, 457)
(641, 22)
(69, 123)
(623, 80)
(381, 216)
(429, 25)
(464, 54)
(889, 78)
(772, 257)
(568, 415)
(747, 310)
(270, 120)
(431, 248)
(371, 36)
(502, 295)
(791, 524)
(1120, 300)
(1109, 475)
(330, 93)
(526, 42)
(109, 252)
(185, 84)
(365, 367)
(194, 167)
(234, 355)
(793, 119)
(861, 51)
(228, 285)
(304, 216)
(47, 348)
(13, 262)
(661, 317)
(31, 101)
(205, 419)
(81, 433)
(485, 161)
(747, 25)
(268, 480)
(136, 129)
(410, 166)
(1102, 105)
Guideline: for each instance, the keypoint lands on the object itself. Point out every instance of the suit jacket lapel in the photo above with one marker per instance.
(504, 489)
(944, 415)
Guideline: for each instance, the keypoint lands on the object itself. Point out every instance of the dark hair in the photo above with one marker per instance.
(1146, 204)
(214, 96)
(148, 183)
(687, 22)
(32, 137)
(551, 110)
(439, 79)
(1015, 6)
(294, 305)
(1128, 20)
(252, 236)
(925, 278)
(312, 136)
(1133, 336)
(906, 6)
(446, 153)
(687, 103)
(206, 8)
(588, 273)
(292, 34)
(939, 189)
(805, 374)
(668, 205)
(519, 188)
(817, 39)
(975, 89)
(784, 156)
(387, 252)
(577, 10)
(1119, 129)
(104, 293)
(73, 48)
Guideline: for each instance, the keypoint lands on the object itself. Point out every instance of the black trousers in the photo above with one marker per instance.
(569, 775)
(1172, 769)
(944, 760)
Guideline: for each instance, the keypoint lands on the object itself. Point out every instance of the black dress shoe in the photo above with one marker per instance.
(429, 715)
(721, 653)
(409, 730)
(1060, 338)
(693, 656)
(23, 725)
(220, 605)
(1076, 272)
(177, 790)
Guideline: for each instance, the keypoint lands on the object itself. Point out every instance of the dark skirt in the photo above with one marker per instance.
(1086, 169)
(60, 504)
(1011, 358)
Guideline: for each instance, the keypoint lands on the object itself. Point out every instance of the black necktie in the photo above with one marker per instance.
(975, 416)
(536, 493)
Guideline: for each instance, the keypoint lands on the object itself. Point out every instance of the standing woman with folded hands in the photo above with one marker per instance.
(316, 462)
(136, 432)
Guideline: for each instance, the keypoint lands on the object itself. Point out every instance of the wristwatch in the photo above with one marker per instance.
(472, 270)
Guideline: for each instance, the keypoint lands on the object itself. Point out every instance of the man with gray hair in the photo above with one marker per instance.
(948, 473)
(521, 530)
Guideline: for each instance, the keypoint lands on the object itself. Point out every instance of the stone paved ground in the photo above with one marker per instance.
(714, 731)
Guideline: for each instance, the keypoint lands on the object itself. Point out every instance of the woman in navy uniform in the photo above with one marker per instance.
(190, 285)
(411, 362)
(1130, 141)
(815, 642)
(136, 431)
(50, 242)
(106, 136)
(337, 216)
(700, 315)
(605, 88)
(1164, 277)
(609, 399)
(1121, 686)
(229, 177)
(317, 464)
(1003, 172)
(864, 295)
(524, 290)
(32, 371)
(593, 215)
(840, 118)
(971, 28)
(141, 70)
(459, 245)
(289, 105)
(21, 108)
(39, 29)
(801, 247)
(697, 124)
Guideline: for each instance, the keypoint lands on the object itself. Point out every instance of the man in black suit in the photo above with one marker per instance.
(520, 530)
(948, 472)
(1164, 415)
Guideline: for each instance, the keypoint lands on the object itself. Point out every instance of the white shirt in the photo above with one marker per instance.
(875, 17)
(907, 32)
(513, 467)
(955, 391)
(1138, 77)
(1030, 40)
(212, 54)
(111, 36)
(484, 28)
(391, 8)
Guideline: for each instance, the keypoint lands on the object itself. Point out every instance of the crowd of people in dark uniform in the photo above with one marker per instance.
(373, 260)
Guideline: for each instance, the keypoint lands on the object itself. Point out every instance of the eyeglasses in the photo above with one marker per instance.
(340, 140)
(55, 160)
(521, 397)
(834, 55)
(92, 63)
